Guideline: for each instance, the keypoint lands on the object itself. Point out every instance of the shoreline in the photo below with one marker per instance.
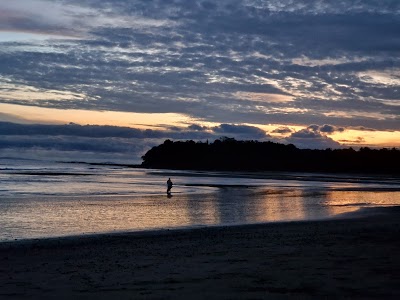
(354, 256)
(363, 212)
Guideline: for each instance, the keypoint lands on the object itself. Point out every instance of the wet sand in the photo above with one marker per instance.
(356, 256)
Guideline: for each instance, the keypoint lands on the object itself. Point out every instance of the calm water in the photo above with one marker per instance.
(40, 199)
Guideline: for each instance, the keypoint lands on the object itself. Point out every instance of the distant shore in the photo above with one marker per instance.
(354, 256)
(228, 154)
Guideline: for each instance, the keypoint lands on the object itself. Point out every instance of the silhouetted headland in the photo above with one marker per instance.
(228, 154)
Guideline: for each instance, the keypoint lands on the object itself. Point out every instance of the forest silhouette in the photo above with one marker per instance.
(228, 154)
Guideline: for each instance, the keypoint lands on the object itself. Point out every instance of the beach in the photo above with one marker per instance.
(351, 256)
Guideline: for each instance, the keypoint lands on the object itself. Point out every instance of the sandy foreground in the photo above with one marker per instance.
(352, 257)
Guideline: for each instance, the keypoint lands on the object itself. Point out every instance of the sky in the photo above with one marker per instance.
(107, 80)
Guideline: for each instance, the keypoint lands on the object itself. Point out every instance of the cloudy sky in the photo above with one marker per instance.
(114, 78)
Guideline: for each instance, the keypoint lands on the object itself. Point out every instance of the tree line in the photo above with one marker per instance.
(229, 154)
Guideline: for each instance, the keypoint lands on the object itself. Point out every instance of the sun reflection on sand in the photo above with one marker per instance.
(202, 211)
(44, 216)
(338, 202)
(281, 205)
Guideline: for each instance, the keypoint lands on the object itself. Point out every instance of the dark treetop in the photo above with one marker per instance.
(232, 155)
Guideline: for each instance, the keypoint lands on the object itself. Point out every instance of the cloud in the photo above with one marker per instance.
(243, 131)
(357, 141)
(76, 142)
(312, 138)
(362, 128)
(103, 131)
(282, 130)
(66, 143)
(230, 62)
(306, 134)
(75, 130)
(106, 141)
(330, 129)
(197, 127)
(41, 17)
(326, 128)
(12, 118)
(66, 18)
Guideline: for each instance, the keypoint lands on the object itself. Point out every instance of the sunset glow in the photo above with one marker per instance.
(290, 73)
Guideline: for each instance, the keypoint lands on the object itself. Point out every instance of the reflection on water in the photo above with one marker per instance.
(43, 200)
(45, 217)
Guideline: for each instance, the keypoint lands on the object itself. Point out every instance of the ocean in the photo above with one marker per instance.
(43, 199)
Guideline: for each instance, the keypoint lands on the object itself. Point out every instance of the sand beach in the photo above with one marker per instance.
(353, 256)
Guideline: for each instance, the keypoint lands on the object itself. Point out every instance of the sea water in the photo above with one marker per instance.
(49, 199)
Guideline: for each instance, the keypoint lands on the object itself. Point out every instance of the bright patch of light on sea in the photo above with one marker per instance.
(42, 199)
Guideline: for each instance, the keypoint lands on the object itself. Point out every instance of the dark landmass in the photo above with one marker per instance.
(228, 154)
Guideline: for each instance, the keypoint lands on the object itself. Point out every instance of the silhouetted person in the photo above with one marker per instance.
(169, 186)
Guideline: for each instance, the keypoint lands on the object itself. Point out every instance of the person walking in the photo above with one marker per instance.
(169, 186)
